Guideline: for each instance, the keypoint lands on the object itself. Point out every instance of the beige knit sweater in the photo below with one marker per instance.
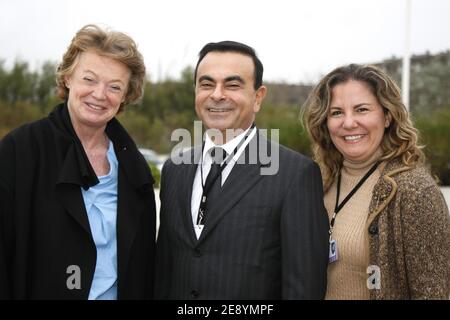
(347, 277)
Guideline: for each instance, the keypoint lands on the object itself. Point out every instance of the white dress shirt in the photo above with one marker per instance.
(205, 164)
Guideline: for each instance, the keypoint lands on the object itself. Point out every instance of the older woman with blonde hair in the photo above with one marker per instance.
(77, 208)
(389, 223)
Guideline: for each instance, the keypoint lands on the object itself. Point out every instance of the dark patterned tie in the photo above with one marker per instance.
(218, 155)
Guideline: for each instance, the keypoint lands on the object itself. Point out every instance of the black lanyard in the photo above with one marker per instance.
(207, 188)
(338, 206)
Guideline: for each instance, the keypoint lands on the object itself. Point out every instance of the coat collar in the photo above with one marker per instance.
(75, 171)
(386, 187)
(75, 167)
(136, 168)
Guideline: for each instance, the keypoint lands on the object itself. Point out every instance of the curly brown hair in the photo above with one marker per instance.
(111, 44)
(400, 139)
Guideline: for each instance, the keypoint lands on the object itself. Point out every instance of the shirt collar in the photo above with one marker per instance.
(228, 147)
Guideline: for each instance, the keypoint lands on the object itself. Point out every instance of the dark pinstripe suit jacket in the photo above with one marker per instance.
(265, 238)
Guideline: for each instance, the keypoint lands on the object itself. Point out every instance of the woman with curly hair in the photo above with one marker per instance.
(389, 223)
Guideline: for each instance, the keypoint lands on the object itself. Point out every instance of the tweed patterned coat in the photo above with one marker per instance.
(409, 235)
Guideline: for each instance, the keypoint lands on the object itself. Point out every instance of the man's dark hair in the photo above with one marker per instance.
(233, 46)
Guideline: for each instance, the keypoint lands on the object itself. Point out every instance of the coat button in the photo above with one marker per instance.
(197, 253)
(194, 294)
(373, 229)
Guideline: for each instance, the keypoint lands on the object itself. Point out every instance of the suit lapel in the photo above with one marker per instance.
(186, 194)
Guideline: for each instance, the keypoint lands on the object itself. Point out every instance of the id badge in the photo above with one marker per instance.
(333, 251)
(198, 229)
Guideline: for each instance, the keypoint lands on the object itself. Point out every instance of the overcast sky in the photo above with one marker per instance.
(297, 40)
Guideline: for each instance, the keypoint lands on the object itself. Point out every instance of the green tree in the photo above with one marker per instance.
(19, 84)
(286, 119)
(45, 88)
(435, 136)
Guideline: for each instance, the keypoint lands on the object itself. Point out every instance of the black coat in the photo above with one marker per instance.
(44, 228)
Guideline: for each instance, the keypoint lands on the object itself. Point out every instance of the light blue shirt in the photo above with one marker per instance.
(101, 207)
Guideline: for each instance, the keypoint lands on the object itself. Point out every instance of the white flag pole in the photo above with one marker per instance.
(406, 57)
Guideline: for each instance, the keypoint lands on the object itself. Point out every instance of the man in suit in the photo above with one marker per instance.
(229, 231)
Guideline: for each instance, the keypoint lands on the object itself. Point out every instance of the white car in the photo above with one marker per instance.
(153, 157)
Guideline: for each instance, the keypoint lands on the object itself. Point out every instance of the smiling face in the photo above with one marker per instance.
(97, 87)
(225, 97)
(356, 120)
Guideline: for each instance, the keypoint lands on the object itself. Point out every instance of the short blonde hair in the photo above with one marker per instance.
(111, 44)
(400, 139)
